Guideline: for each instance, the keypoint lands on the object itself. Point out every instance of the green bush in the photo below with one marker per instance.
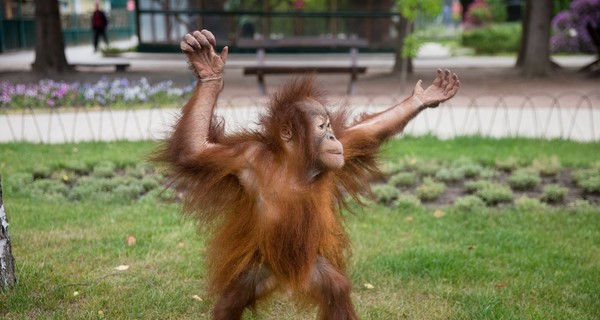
(450, 174)
(469, 204)
(41, 171)
(407, 201)
(471, 170)
(427, 168)
(507, 164)
(581, 206)
(430, 190)
(524, 179)
(385, 193)
(403, 179)
(554, 193)
(527, 204)
(48, 189)
(79, 167)
(488, 173)
(19, 181)
(494, 194)
(104, 169)
(547, 166)
(474, 186)
(590, 184)
(494, 38)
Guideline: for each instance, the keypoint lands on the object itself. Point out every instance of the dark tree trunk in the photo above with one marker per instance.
(8, 277)
(536, 52)
(403, 27)
(49, 43)
(524, 32)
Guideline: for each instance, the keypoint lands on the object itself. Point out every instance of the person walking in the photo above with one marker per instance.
(99, 24)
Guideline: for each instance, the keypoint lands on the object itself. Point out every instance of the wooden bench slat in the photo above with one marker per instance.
(317, 69)
(119, 66)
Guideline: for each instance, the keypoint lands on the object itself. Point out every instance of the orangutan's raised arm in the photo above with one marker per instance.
(384, 125)
(192, 129)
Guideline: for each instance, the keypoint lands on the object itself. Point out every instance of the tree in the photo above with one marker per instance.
(409, 10)
(534, 54)
(49, 43)
(7, 261)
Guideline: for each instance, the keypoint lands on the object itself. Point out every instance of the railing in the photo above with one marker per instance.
(569, 115)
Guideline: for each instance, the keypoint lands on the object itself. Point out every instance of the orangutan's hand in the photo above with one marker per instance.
(198, 46)
(444, 87)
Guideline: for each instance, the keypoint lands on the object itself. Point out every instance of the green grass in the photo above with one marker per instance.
(407, 263)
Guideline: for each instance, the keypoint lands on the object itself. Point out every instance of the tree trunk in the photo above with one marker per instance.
(524, 31)
(536, 56)
(8, 277)
(402, 64)
(49, 44)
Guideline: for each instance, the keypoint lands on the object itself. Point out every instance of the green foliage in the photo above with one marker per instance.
(48, 189)
(494, 193)
(410, 9)
(498, 10)
(547, 166)
(430, 190)
(507, 164)
(469, 204)
(524, 179)
(41, 171)
(582, 206)
(407, 202)
(527, 204)
(385, 194)
(403, 179)
(554, 193)
(450, 174)
(427, 167)
(493, 39)
(410, 46)
(590, 184)
(104, 169)
(476, 185)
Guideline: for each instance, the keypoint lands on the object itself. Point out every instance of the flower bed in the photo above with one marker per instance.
(119, 92)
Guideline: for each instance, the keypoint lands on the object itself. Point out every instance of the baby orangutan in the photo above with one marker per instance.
(273, 196)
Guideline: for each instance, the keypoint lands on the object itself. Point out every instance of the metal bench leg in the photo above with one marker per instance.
(262, 88)
(351, 89)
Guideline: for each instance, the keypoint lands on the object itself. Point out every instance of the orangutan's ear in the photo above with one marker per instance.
(286, 133)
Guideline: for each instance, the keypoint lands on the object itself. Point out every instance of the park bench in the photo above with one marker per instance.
(119, 66)
(260, 70)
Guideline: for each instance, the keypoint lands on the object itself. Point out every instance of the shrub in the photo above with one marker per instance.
(407, 201)
(48, 189)
(493, 39)
(150, 182)
(474, 186)
(430, 190)
(582, 174)
(385, 194)
(403, 179)
(527, 204)
(488, 173)
(471, 170)
(41, 171)
(494, 194)
(524, 180)
(469, 204)
(104, 169)
(507, 164)
(450, 175)
(128, 192)
(20, 181)
(581, 206)
(554, 193)
(427, 168)
(569, 27)
(79, 167)
(590, 184)
(547, 166)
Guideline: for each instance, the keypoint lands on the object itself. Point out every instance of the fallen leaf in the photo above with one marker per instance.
(75, 293)
(501, 285)
(65, 178)
(369, 286)
(122, 267)
(100, 313)
(197, 298)
(180, 244)
(131, 240)
(439, 213)
(409, 219)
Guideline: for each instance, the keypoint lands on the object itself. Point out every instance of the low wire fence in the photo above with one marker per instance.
(567, 115)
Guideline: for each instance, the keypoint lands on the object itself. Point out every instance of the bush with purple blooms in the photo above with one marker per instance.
(569, 27)
(115, 93)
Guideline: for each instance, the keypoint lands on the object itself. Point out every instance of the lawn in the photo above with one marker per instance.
(81, 213)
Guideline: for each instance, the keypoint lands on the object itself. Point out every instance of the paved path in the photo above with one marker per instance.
(459, 117)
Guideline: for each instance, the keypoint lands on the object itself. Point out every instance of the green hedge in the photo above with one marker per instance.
(494, 38)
